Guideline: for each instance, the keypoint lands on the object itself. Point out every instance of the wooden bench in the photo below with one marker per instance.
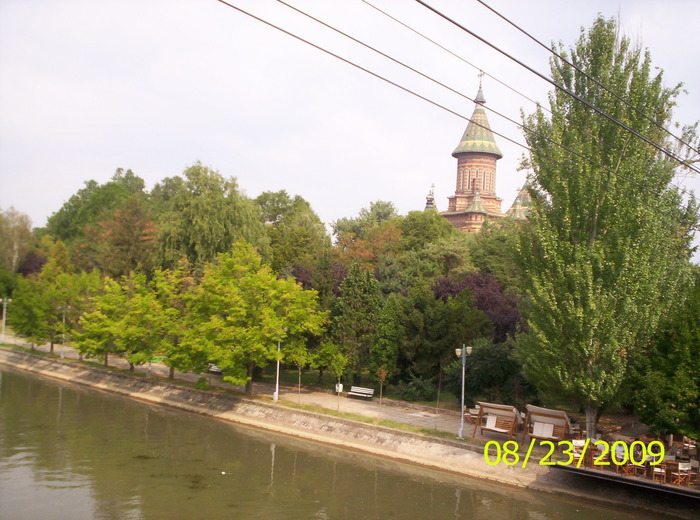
(499, 424)
(358, 391)
(497, 418)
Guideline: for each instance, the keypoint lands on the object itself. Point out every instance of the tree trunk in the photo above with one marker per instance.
(591, 420)
(51, 348)
(171, 373)
(249, 380)
(131, 367)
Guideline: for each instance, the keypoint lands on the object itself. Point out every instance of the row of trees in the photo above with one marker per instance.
(593, 300)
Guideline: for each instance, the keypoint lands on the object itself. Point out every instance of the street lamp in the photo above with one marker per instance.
(5, 301)
(276, 393)
(459, 351)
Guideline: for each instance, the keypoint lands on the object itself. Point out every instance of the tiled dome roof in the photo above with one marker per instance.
(478, 136)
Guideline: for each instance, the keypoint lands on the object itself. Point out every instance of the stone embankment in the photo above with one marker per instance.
(455, 457)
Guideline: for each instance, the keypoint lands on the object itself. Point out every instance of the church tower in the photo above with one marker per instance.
(475, 194)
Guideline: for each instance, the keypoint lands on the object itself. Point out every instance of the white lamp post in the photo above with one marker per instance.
(459, 352)
(5, 301)
(276, 394)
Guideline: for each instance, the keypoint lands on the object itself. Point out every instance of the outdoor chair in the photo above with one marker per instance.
(681, 476)
(694, 470)
(659, 472)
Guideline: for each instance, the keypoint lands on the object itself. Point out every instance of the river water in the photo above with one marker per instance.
(69, 452)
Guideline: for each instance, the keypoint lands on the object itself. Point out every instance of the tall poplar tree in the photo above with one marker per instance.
(608, 247)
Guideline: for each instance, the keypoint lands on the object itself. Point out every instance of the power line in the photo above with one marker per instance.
(409, 91)
(363, 69)
(560, 87)
(578, 69)
(537, 103)
(534, 102)
(548, 139)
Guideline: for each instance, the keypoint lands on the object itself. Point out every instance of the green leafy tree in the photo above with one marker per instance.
(16, 238)
(434, 327)
(8, 281)
(492, 374)
(99, 327)
(494, 250)
(607, 250)
(378, 212)
(420, 228)
(91, 204)
(121, 242)
(142, 329)
(355, 315)
(295, 352)
(53, 286)
(384, 351)
(294, 229)
(175, 290)
(27, 315)
(667, 395)
(243, 309)
(206, 217)
(324, 358)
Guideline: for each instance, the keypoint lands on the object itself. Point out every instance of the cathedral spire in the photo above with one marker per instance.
(478, 136)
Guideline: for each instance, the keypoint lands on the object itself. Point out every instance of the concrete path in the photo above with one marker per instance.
(397, 411)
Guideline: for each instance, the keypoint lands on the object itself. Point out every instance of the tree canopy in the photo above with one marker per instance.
(607, 251)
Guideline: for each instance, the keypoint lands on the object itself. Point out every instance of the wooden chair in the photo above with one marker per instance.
(694, 470)
(659, 472)
(681, 475)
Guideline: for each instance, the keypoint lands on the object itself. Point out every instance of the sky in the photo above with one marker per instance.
(154, 86)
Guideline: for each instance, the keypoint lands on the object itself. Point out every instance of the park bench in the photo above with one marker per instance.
(497, 418)
(358, 391)
(547, 424)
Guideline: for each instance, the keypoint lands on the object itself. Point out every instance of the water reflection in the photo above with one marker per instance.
(73, 452)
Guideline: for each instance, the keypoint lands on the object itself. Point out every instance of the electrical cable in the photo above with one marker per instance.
(405, 89)
(399, 62)
(579, 70)
(454, 54)
(564, 116)
(661, 149)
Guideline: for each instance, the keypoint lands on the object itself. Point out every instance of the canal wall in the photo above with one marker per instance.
(441, 454)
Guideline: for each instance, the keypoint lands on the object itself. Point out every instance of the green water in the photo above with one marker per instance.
(68, 452)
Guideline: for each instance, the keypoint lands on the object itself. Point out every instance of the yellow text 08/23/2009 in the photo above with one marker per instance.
(603, 453)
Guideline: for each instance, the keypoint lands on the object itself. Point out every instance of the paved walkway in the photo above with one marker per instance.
(397, 411)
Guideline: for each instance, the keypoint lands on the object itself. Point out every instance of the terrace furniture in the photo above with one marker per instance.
(694, 469)
(659, 472)
(681, 475)
(546, 424)
(497, 418)
(360, 392)
(471, 414)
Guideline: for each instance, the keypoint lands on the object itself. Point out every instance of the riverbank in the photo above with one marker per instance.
(459, 458)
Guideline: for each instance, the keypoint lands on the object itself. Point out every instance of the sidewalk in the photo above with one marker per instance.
(391, 410)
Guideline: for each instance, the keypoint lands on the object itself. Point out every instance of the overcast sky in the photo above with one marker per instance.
(89, 86)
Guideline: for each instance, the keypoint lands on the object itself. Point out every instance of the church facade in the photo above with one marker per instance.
(475, 198)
